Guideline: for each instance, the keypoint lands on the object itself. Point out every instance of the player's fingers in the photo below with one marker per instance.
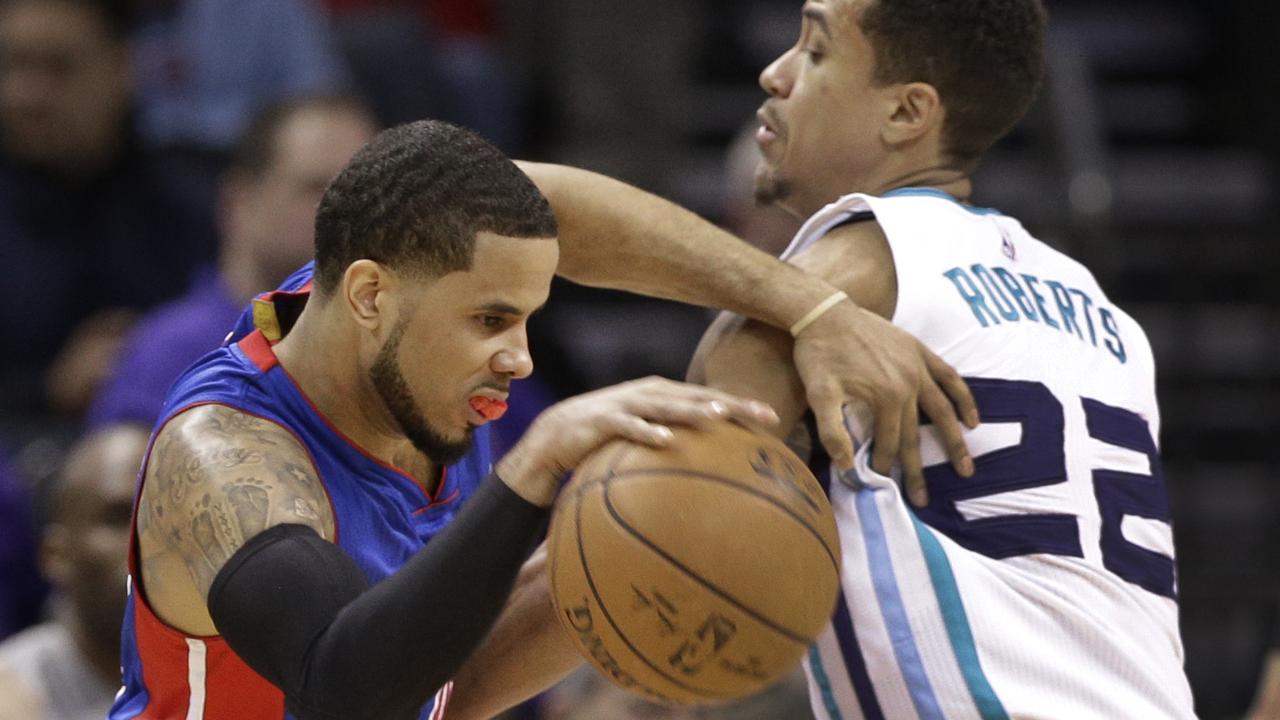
(687, 410)
(954, 386)
(939, 409)
(636, 429)
(888, 434)
(693, 403)
(829, 414)
(909, 456)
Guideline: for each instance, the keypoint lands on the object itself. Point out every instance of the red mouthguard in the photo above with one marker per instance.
(488, 408)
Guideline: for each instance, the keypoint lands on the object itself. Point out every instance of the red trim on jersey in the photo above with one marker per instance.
(257, 348)
(232, 690)
(437, 503)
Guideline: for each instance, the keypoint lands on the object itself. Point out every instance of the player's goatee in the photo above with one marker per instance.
(391, 386)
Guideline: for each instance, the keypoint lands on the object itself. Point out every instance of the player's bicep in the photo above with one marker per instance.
(218, 477)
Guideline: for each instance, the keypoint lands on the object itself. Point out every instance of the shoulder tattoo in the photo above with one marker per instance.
(216, 478)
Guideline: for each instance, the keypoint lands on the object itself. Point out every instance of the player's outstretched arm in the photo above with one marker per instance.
(754, 360)
(615, 235)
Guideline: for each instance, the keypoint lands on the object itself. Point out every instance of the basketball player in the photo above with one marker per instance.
(299, 543)
(1044, 585)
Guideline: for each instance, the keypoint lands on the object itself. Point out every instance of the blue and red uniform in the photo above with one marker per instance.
(383, 517)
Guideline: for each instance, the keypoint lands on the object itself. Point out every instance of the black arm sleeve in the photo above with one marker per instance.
(299, 611)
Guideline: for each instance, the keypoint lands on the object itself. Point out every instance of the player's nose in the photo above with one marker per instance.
(774, 78)
(514, 361)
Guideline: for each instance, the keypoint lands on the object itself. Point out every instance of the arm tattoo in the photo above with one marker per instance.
(216, 478)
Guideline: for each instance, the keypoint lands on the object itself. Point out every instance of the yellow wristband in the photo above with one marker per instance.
(817, 312)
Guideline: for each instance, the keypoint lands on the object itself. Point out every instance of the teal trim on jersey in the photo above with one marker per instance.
(957, 622)
(935, 193)
(824, 683)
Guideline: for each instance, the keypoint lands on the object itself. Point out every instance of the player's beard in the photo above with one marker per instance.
(770, 186)
(391, 386)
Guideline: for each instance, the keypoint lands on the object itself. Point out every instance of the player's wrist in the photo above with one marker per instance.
(817, 312)
(529, 474)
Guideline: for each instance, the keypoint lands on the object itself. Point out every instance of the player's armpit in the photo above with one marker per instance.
(217, 477)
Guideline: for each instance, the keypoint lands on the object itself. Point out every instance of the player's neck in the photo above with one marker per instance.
(950, 181)
(333, 382)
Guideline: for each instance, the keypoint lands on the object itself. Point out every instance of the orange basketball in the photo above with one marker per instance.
(697, 573)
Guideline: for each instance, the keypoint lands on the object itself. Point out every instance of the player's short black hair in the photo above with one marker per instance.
(985, 58)
(415, 197)
(258, 146)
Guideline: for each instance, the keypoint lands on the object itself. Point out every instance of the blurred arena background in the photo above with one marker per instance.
(1151, 157)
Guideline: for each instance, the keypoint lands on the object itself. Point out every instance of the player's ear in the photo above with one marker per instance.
(365, 287)
(917, 109)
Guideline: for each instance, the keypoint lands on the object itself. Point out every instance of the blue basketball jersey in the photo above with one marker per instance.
(383, 517)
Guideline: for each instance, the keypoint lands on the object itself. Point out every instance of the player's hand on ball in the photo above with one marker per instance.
(639, 411)
(852, 356)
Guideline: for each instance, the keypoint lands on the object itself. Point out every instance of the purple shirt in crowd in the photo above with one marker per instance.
(163, 344)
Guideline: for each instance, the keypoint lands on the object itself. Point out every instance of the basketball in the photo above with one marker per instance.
(696, 573)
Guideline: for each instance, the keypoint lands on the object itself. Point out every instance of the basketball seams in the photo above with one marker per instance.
(835, 563)
(591, 583)
(722, 594)
(582, 486)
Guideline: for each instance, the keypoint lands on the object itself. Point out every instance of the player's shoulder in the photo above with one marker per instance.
(228, 451)
(854, 255)
(218, 422)
(216, 477)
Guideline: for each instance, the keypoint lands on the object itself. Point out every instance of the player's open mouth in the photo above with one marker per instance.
(767, 132)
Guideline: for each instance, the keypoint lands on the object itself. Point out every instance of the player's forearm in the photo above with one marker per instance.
(618, 236)
(524, 654)
(353, 651)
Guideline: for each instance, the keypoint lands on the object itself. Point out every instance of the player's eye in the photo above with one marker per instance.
(492, 322)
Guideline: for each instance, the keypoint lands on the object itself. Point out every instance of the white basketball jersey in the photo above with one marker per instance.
(1044, 586)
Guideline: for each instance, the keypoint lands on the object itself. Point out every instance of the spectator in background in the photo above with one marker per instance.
(206, 68)
(266, 216)
(89, 227)
(21, 588)
(431, 58)
(69, 667)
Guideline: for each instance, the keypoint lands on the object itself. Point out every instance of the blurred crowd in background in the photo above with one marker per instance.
(160, 161)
